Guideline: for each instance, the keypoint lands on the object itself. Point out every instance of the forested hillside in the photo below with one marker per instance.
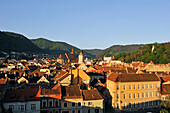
(15, 42)
(160, 54)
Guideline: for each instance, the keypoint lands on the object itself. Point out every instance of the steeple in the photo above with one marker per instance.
(72, 52)
(81, 52)
(80, 57)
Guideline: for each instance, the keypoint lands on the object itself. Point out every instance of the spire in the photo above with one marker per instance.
(81, 52)
(60, 56)
(72, 52)
(80, 57)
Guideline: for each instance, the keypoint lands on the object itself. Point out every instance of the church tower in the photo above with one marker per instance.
(72, 52)
(80, 57)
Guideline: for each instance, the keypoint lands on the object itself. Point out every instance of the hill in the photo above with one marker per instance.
(52, 47)
(114, 50)
(16, 42)
(94, 52)
(159, 55)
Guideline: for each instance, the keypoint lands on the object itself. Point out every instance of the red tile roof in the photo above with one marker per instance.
(113, 76)
(72, 91)
(91, 95)
(3, 81)
(151, 62)
(165, 79)
(133, 77)
(21, 95)
(165, 89)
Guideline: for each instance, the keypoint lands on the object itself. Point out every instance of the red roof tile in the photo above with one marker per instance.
(21, 95)
(3, 81)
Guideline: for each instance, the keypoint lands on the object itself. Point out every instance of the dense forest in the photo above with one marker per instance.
(158, 53)
(15, 42)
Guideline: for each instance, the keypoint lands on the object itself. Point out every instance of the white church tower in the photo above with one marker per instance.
(80, 57)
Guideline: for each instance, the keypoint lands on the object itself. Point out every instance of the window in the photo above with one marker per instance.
(33, 106)
(138, 86)
(78, 111)
(124, 96)
(22, 108)
(156, 85)
(157, 102)
(44, 103)
(117, 96)
(56, 103)
(50, 104)
(157, 94)
(134, 86)
(65, 104)
(73, 104)
(117, 104)
(150, 103)
(151, 86)
(139, 104)
(147, 94)
(130, 105)
(117, 87)
(134, 95)
(138, 95)
(130, 87)
(11, 107)
(79, 103)
(73, 111)
(96, 110)
(147, 103)
(143, 103)
(124, 87)
(151, 94)
(129, 95)
(88, 110)
(146, 86)
(134, 104)
(143, 95)
(19, 108)
(124, 105)
(143, 86)
(89, 103)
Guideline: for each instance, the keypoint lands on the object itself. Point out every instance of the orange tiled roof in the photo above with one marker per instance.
(21, 95)
(165, 79)
(91, 95)
(133, 77)
(3, 81)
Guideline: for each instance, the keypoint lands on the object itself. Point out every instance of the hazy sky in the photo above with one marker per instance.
(88, 23)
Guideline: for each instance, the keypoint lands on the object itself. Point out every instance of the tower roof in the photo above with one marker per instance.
(72, 52)
(81, 52)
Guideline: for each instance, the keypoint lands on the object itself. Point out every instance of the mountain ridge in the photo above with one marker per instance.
(10, 41)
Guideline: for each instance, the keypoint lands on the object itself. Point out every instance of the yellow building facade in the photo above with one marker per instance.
(134, 91)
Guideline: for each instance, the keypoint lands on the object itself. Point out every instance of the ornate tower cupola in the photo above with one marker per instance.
(80, 57)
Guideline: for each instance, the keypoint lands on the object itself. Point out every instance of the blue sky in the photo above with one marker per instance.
(89, 23)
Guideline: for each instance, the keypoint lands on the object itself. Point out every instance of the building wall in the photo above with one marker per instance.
(71, 108)
(51, 109)
(80, 59)
(17, 107)
(93, 106)
(131, 100)
(82, 77)
(165, 99)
